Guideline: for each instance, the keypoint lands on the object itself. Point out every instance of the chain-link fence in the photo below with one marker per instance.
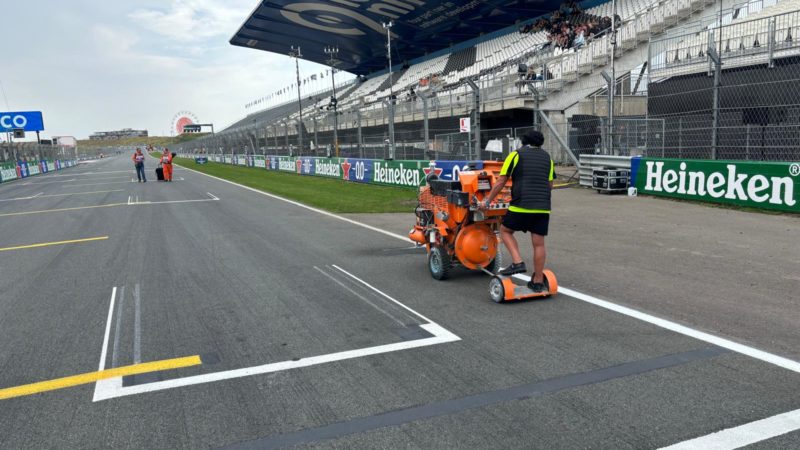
(730, 92)
(31, 151)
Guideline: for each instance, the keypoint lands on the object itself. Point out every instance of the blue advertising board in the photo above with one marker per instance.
(359, 170)
(22, 169)
(305, 166)
(26, 120)
(449, 170)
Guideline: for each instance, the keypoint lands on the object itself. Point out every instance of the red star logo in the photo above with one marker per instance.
(346, 169)
(433, 169)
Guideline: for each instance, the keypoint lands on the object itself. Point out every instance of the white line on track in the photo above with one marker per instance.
(108, 329)
(88, 173)
(112, 388)
(137, 326)
(743, 435)
(118, 328)
(364, 299)
(21, 198)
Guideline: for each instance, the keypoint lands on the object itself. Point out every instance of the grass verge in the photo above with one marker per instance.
(331, 195)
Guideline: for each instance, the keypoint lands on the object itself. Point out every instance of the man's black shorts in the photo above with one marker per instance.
(536, 223)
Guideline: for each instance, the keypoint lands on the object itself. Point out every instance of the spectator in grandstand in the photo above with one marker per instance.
(531, 171)
(565, 25)
(138, 162)
(579, 40)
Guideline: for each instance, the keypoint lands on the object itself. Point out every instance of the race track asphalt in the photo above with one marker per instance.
(318, 333)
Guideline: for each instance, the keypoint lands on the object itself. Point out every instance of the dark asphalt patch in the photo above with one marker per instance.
(413, 333)
(446, 407)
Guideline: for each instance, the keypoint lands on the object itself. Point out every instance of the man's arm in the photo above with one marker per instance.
(501, 182)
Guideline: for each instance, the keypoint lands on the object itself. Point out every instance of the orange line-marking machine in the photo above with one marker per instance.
(455, 231)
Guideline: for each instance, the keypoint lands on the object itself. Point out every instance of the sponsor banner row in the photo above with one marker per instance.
(24, 169)
(764, 185)
(377, 171)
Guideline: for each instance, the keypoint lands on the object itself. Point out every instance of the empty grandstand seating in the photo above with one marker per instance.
(494, 61)
(749, 35)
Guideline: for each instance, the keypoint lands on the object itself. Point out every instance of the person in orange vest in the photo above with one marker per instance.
(166, 164)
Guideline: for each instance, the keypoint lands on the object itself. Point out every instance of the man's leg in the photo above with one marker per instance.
(167, 172)
(138, 173)
(539, 257)
(507, 235)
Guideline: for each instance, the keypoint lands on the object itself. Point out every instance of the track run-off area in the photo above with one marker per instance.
(205, 314)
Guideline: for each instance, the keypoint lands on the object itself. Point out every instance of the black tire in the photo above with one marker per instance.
(439, 263)
(497, 292)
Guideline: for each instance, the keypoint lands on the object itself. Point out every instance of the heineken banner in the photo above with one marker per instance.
(8, 172)
(765, 185)
(328, 167)
(260, 162)
(287, 164)
(398, 173)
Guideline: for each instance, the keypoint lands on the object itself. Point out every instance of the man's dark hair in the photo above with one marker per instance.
(534, 138)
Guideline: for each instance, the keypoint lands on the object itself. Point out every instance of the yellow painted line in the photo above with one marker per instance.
(25, 213)
(91, 377)
(48, 244)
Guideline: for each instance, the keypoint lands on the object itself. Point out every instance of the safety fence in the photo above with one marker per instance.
(398, 173)
(16, 151)
(729, 92)
(13, 170)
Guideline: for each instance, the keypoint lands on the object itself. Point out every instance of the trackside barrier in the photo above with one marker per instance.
(23, 169)
(763, 185)
(410, 173)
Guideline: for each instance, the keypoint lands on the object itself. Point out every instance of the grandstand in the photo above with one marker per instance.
(477, 63)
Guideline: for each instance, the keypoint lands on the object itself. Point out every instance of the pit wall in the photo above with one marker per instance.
(408, 174)
(10, 171)
(763, 185)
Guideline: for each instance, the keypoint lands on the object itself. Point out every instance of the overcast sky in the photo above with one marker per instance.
(96, 65)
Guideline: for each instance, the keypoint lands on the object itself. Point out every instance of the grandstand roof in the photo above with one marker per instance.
(420, 27)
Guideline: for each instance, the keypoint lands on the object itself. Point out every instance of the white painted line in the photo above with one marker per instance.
(117, 328)
(137, 326)
(100, 184)
(364, 299)
(104, 351)
(129, 200)
(40, 193)
(381, 293)
(686, 331)
(167, 202)
(113, 388)
(212, 196)
(88, 173)
(744, 435)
